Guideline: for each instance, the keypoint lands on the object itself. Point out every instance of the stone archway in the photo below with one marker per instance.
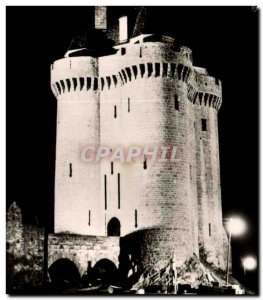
(64, 273)
(105, 271)
(114, 227)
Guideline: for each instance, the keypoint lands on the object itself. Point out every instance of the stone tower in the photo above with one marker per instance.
(139, 92)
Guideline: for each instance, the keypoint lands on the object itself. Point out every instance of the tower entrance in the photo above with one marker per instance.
(114, 227)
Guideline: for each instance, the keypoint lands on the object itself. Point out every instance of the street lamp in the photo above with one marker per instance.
(235, 226)
(249, 263)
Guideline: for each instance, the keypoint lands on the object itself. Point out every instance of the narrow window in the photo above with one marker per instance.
(176, 103)
(70, 170)
(136, 218)
(129, 107)
(115, 111)
(209, 228)
(144, 162)
(204, 127)
(89, 217)
(119, 192)
(105, 191)
(191, 177)
(111, 168)
(123, 51)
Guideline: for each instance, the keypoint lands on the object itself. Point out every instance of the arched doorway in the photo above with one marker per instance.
(64, 273)
(114, 227)
(104, 271)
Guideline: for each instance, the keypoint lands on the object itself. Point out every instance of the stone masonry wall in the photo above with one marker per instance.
(81, 249)
(77, 184)
(25, 252)
(162, 195)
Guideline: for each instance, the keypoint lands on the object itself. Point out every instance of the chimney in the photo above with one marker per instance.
(123, 29)
(101, 18)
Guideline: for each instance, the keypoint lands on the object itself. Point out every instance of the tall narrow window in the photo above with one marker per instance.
(70, 170)
(105, 191)
(204, 126)
(144, 162)
(176, 103)
(119, 192)
(191, 176)
(129, 105)
(111, 167)
(89, 217)
(115, 111)
(136, 218)
(209, 228)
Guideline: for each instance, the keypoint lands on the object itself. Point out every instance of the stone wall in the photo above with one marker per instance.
(82, 249)
(25, 252)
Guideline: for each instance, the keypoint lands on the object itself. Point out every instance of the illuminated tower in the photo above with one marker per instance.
(140, 92)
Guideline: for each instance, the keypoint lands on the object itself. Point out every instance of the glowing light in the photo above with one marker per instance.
(249, 263)
(236, 226)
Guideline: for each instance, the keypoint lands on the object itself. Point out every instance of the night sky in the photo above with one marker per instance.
(223, 39)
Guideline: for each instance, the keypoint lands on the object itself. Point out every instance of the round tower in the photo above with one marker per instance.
(74, 82)
(207, 101)
(154, 202)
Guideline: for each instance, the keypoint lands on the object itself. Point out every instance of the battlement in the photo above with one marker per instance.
(145, 56)
(122, 77)
(201, 88)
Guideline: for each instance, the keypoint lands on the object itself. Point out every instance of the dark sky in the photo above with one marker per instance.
(225, 40)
